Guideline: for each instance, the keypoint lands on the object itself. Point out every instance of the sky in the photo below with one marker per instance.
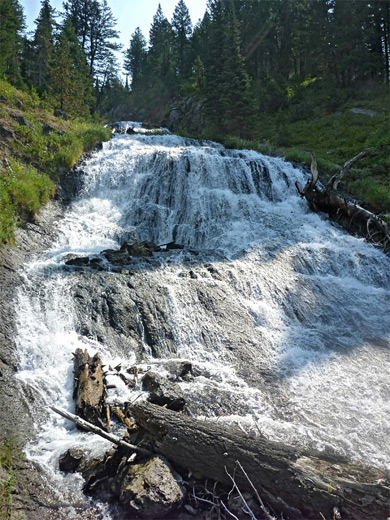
(129, 14)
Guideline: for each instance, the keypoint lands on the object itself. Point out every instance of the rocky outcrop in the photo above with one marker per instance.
(186, 113)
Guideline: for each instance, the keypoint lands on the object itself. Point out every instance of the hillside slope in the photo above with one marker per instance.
(36, 144)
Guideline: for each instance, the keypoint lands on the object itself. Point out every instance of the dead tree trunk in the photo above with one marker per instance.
(300, 484)
(345, 212)
(89, 392)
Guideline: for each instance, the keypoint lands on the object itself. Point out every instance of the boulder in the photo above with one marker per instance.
(140, 249)
(71, 460)
(116, 257)
(163, 392)
(79, 261)
(149, 490)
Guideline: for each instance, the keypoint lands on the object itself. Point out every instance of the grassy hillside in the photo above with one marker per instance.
(326, 122)
(34, 146)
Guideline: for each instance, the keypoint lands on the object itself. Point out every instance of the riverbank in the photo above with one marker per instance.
(37, 145)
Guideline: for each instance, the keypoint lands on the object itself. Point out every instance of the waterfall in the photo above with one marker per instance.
(283, 315)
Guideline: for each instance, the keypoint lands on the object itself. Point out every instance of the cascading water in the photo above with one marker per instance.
(283, 316)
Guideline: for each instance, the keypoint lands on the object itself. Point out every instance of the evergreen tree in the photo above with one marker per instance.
(161, 51)
(94, 25)
(70, 82)
(11, 42)
(226, 81)
(136, 58)
(182, 28)
(43, 45)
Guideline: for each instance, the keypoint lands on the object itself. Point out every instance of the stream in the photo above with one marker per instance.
(282, 314)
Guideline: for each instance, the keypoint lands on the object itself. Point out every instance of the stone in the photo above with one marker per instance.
(79, 261)
(163, 392)
(6, 133)
(151, 490)
(60, 113)
(71, 460)
(3, 99)
(116, 257)
(19, 104)
(140, 249)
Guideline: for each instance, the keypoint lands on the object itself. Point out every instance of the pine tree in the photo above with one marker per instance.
(43, 45)
(70, 82)
(94, 25)
(182, 28)
(11, 42)
(135, 58)
(161, 51)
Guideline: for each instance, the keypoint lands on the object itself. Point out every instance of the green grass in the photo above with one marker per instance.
(30, 163)
(7, 479)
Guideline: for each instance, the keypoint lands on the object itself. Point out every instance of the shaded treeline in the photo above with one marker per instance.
(249, 56)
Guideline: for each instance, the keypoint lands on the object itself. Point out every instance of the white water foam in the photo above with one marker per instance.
(293, 296)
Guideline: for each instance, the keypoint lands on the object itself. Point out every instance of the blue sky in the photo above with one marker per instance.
(129, 13)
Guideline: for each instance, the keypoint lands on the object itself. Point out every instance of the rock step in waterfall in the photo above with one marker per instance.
(281, 314)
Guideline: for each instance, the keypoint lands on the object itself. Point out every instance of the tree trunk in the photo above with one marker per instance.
(291, 481)
(88, 391)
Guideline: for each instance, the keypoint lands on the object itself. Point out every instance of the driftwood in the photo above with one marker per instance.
(302, 484)
(349, 214)
(88, 391)
(85, 425)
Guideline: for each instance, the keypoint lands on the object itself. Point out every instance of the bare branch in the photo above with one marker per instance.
(313, 169)
(337, 177)
(242, 498)
(269, 517)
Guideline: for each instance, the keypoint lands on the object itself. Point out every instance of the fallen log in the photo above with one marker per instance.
(295, 482)
(345, 212)
(85, 425)
(88, 388)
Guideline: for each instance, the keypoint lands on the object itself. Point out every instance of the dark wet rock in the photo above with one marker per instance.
(140, 249)
(60, 113)
(79, 261)
(71, 460)
(163, 392)
(6, 134)
(151, 490)
(116, 257)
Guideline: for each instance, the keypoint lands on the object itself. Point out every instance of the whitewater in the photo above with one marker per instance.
(283, 315)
